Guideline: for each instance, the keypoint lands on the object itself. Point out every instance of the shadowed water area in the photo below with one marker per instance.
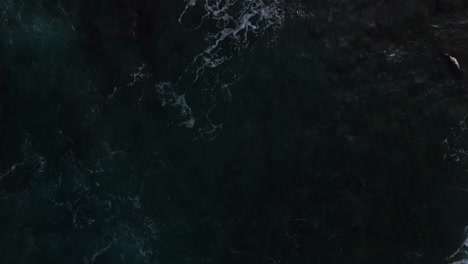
(224, 131)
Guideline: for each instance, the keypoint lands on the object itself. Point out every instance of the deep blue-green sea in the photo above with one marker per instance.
(233, 131)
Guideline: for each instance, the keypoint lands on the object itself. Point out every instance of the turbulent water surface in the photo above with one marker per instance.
(233, 131)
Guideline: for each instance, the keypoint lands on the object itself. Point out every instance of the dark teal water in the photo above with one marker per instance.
(229, 131)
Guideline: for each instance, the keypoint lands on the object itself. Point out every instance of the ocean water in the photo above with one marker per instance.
(233, 131)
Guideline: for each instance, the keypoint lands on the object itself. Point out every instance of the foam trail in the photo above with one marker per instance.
(169, 97)
(232, 25)
(462, 252)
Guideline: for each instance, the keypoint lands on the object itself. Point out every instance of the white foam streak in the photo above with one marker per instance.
(170, 97)
(463, 251)
(189, 4)
(234, 26)
(231, 24)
